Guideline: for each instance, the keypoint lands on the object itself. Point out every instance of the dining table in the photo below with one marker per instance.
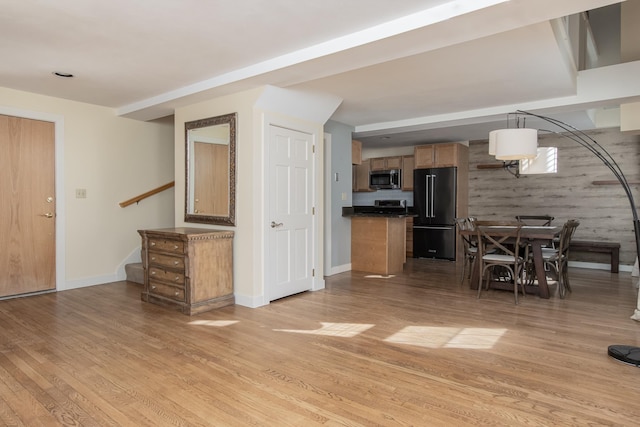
(536, 236)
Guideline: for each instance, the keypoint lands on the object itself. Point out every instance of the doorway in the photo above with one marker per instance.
(28, 209)
(291, 234)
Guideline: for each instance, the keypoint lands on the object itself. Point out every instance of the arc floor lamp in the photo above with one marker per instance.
(520, 143)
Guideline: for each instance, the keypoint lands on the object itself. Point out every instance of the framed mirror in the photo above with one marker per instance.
(210, 191)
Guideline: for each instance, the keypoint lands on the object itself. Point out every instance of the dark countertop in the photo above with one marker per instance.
(372, 211)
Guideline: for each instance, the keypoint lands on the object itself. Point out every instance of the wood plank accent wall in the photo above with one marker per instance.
(603, 210)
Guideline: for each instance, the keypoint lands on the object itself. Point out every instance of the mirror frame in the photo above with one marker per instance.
(197, 124)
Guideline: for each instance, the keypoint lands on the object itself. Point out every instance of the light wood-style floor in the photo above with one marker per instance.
(413, 350)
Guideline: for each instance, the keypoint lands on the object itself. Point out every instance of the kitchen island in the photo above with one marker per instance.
(378, 243)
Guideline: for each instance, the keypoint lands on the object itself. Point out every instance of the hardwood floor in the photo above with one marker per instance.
(417, 349)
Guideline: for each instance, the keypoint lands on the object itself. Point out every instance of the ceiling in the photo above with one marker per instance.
(408, 72)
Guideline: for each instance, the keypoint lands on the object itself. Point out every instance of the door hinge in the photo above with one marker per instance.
(313, 211)
(313, 272)
(313, 148)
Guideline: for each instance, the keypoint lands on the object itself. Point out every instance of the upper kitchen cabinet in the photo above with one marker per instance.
(440, 155)
(356, 152)
(407, 173)
(361, 176)
(386, 163)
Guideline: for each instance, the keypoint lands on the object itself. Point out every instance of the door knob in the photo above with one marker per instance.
(48, 215)
(274, 224)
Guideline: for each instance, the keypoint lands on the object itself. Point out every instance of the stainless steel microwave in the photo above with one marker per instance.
(385, 180)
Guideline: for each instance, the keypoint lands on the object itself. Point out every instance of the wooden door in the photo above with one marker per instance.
(27, 210)
(211, 179)
(290, 241)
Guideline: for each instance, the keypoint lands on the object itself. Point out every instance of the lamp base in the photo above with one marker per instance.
(626, 354)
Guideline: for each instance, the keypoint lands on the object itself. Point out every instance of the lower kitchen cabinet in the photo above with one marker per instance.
(188, 269)
(378, 244)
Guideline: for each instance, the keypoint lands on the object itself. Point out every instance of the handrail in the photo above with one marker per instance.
(147, 194)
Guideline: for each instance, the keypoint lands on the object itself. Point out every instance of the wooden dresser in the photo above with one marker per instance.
(189, 269)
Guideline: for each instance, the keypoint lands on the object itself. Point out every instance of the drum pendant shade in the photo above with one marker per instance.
(516, 144)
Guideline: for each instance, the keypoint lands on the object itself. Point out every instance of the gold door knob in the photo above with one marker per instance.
(48, 215)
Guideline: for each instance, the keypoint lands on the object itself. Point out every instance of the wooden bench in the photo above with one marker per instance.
(611, 248)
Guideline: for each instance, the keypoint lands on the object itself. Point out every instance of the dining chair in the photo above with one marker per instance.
(543, 220)
(539, 220)
(558, 259)
(469, 245)
(506, 255)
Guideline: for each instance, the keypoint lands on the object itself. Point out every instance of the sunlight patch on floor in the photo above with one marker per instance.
(218, 323)
(379, 276)
(346, 330)
(441, 337)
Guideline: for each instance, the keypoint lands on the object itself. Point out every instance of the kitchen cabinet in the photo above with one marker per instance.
(378, 244)
(409, 237)
(361, 176)
(407, 173)
(386, 163)
(356, 152)
(188, 269)
(439, 155)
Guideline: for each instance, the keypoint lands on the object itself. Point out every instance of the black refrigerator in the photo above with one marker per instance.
(434, 202)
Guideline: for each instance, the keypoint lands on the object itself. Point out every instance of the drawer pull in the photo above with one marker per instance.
(175, 246)
(153, 243)
(153, 287)
(177, 278)
(176, 262)
(177, 293)
(153, 258)
(153, 273)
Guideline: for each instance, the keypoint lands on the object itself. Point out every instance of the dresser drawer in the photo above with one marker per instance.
(166, 260)
(166, 276)
(163, 245)
(173, 292)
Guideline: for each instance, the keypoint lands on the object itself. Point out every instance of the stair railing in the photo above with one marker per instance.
(147, 194)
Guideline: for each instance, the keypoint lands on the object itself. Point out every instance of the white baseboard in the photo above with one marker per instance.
(338, 269)
(599, 266)
(89, 281)
(132, 258)
(250, 302)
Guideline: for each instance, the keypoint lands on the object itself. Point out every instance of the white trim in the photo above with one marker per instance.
(91, 281)
(133, 258)
(327, 202)
(598, 266)
(58, 122)
(338, 269)
(273, 119)
(250, 302)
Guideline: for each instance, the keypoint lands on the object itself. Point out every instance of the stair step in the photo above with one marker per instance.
(135, 272)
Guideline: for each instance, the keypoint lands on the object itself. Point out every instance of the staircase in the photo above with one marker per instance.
(135, 273)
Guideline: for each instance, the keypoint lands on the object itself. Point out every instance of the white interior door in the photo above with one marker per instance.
(291, 234)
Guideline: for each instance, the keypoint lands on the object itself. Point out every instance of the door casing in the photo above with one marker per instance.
(270, 119)
(58, 121)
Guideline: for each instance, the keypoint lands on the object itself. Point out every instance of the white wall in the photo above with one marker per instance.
(245, 260)
(339, 227)
(256, 110)
(114, 159)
